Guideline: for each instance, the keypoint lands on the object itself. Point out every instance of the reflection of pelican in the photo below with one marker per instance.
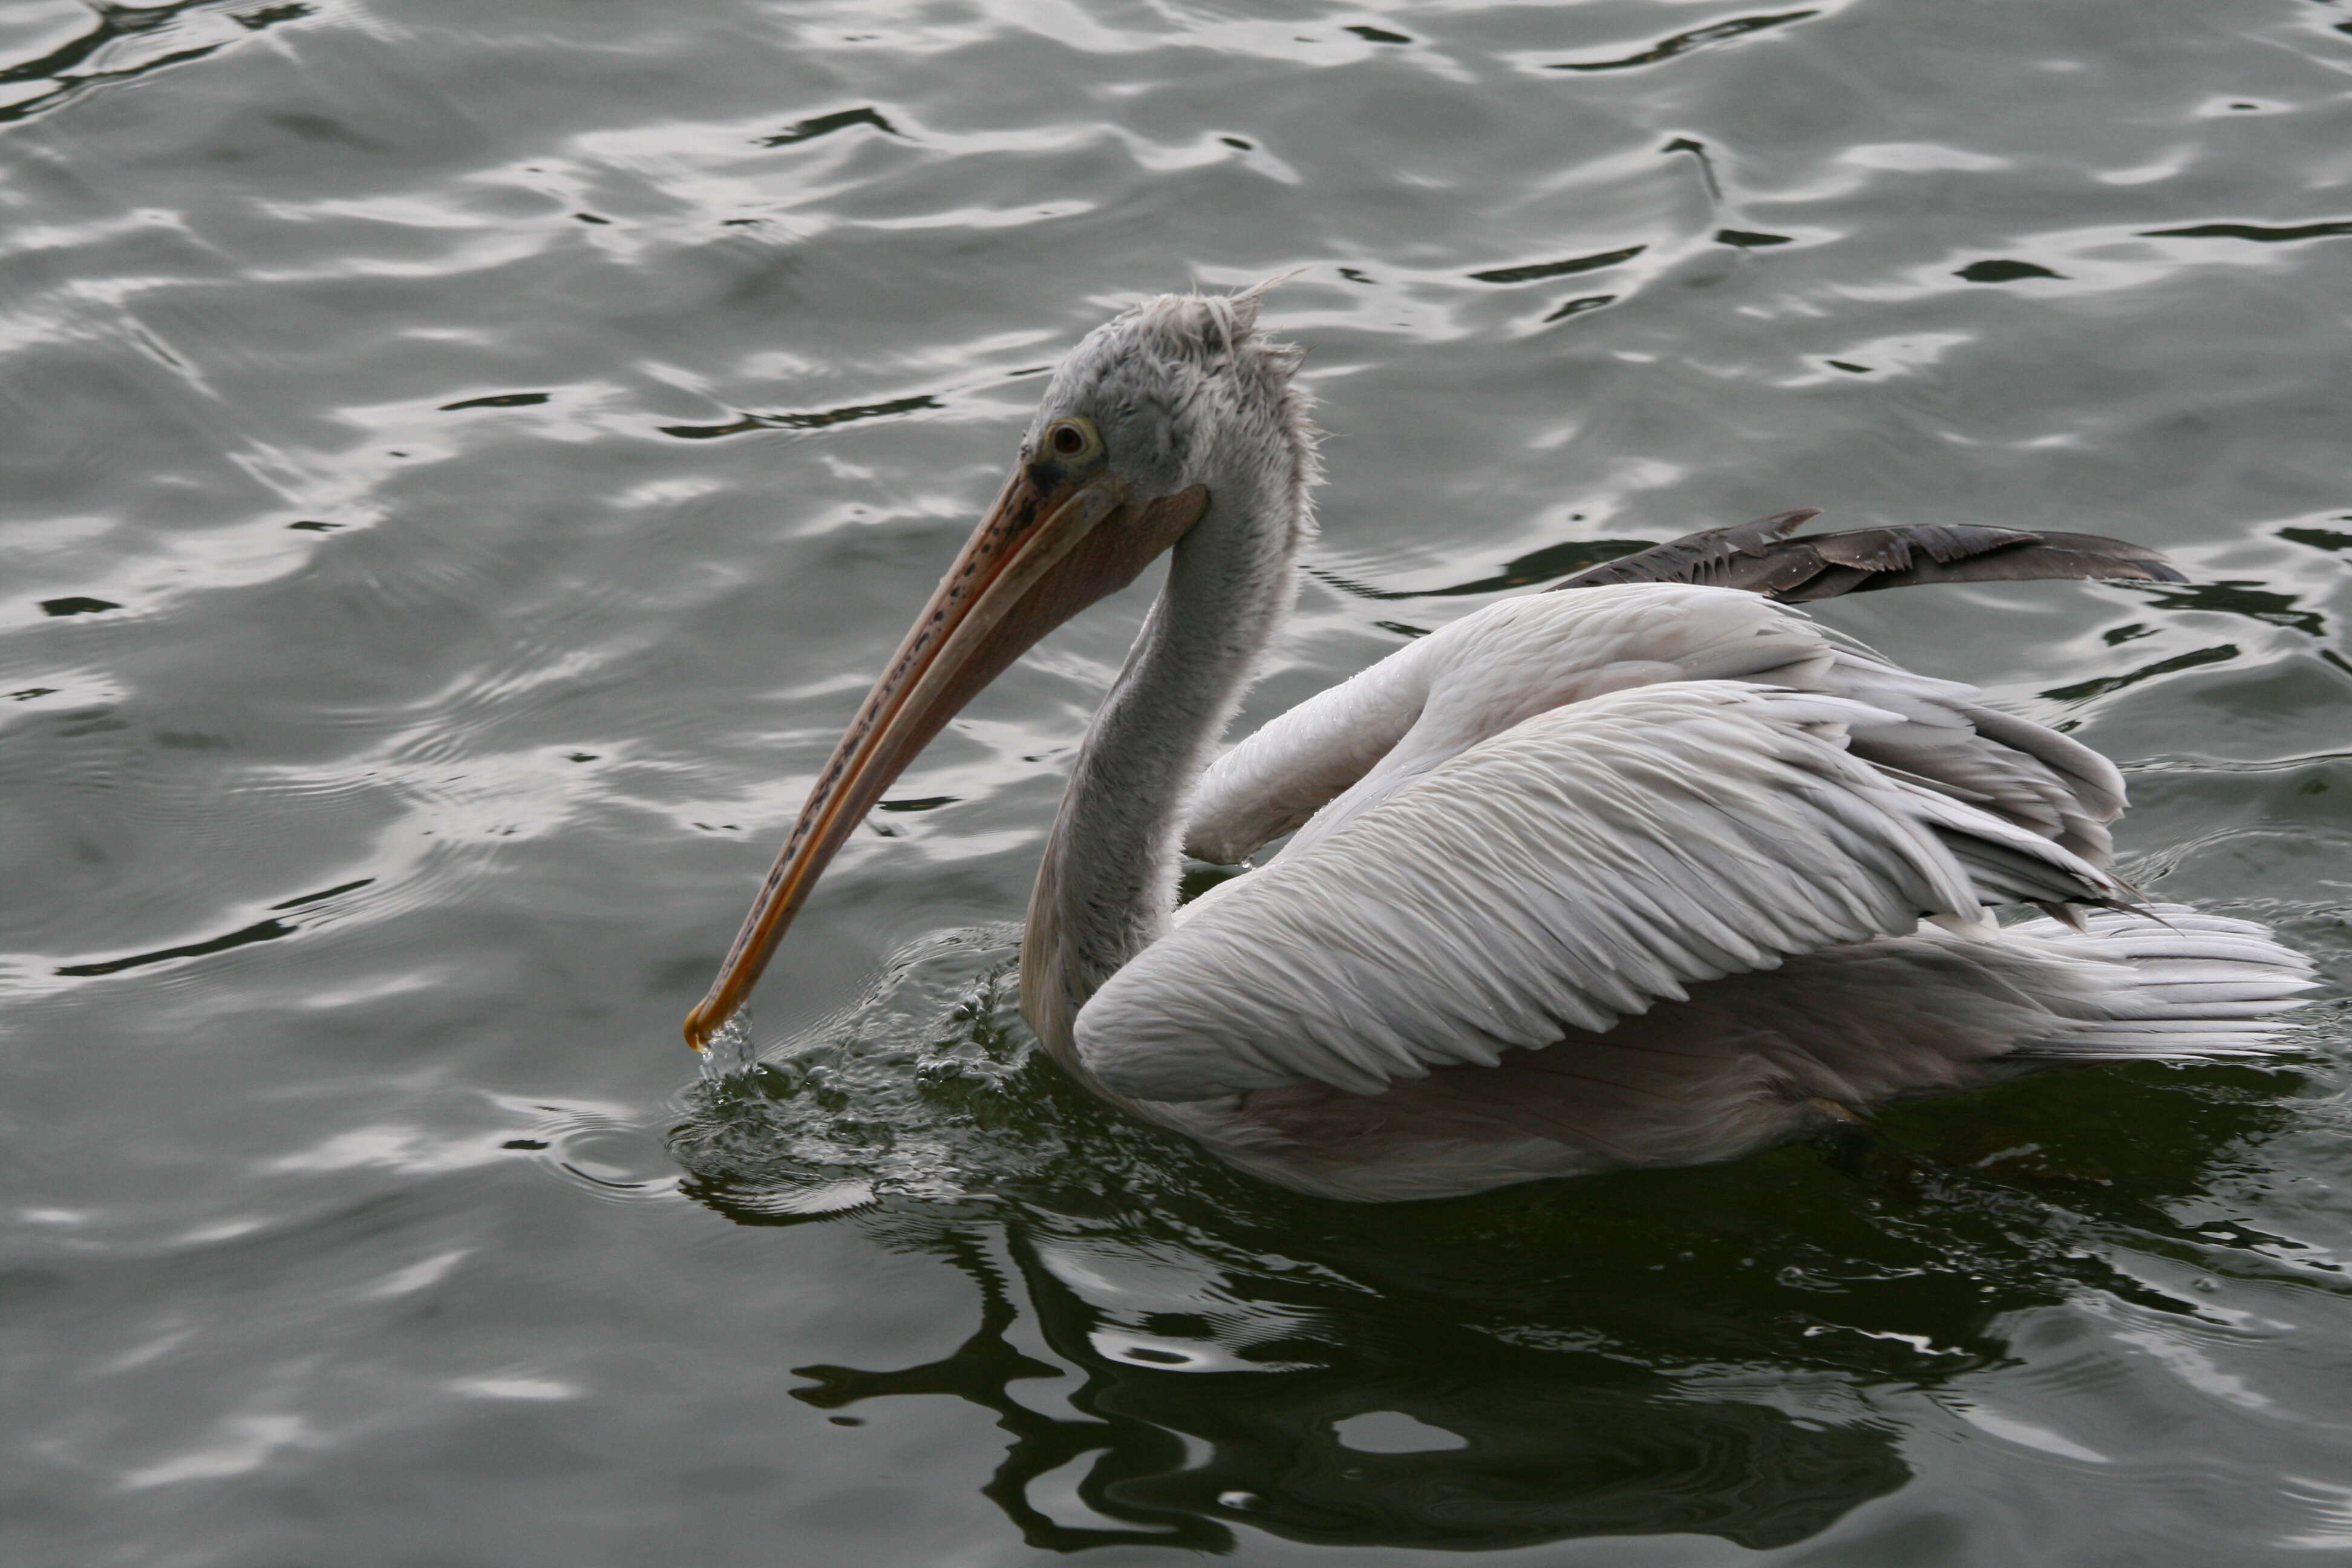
(1630, 875)
(1518, 1444)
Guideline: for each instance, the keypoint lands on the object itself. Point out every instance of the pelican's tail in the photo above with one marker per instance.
(2201, 985)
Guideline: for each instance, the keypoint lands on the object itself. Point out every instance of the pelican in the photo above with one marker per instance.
(1652, 872)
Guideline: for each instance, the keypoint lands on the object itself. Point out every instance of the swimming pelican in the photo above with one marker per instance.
(1650, 872)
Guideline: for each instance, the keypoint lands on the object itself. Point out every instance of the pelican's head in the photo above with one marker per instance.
(1152, 419)
(1181, 390)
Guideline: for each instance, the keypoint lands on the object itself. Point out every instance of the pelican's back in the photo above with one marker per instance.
(1333, 757)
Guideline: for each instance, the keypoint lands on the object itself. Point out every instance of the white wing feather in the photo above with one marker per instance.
(1345, 750)
(1584, 865)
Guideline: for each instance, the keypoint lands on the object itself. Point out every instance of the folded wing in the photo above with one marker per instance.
(1577, 868)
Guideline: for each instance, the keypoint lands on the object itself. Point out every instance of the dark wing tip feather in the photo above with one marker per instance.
(1759, 557)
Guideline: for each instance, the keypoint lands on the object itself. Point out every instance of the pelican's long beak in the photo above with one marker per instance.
(1054, 542)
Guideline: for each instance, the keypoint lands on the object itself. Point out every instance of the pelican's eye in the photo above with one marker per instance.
(1072, 440)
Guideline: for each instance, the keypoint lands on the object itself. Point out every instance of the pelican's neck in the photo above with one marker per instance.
(1107, 888)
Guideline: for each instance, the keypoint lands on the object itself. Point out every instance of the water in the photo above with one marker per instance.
(464, 462)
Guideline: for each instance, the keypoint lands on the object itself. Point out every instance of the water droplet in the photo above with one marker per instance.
(730, 1051)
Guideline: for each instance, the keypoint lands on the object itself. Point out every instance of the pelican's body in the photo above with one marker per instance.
(1641, 874)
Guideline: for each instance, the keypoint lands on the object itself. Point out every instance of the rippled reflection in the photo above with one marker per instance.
(125, 42)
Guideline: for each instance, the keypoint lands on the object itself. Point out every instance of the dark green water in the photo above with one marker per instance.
(465, 461)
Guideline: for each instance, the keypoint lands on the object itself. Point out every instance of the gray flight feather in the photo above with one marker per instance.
(1759, 557)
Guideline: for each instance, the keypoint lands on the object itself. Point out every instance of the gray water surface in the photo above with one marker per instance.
(464, 462)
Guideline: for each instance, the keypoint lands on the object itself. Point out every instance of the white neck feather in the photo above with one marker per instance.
(1106, 888)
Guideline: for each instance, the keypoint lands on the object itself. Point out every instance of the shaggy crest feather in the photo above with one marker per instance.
(1180, 382)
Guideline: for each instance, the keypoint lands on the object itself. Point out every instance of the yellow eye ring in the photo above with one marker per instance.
(1068, 441)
